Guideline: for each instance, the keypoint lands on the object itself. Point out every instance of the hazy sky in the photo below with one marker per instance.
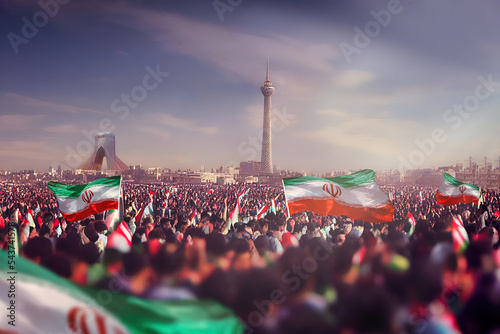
(359, 84)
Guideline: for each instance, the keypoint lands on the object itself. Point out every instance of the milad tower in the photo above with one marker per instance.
(266, 160)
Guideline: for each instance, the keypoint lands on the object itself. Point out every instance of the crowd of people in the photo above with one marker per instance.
(304, 273)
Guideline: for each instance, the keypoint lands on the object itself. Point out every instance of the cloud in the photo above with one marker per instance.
(123, 53)
(338, 114)
(344, 115)
(253, 115)
(18, 122)
(24, 149)
(160, 133)
(62, 128)
(353, 78)
(27, 101)
(184, 124)
(239, 54)
(374, 135)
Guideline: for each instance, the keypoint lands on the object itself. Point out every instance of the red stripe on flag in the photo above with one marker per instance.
(326, 207)
(91, 209)
(139, 215)
(451, 200)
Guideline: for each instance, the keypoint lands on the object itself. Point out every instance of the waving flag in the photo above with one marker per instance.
(47, 303)
(273, 206)
(453, 191)
(148, 210)
(30, 218)
(77, 202)
(233, 216)
(356, 196)
(138, 217)
(413, 223)
(242, 194)
(262, 211)
(193, 215)
(460, 237)
(120, 239)
(412, 220)
(112, 219)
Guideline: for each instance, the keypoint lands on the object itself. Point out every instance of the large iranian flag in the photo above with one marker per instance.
(453, 191)
(36, 301)
(79, 201)
(356, 196)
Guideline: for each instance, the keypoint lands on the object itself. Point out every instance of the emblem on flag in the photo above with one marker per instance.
(80, 320)
(87, 196)
(333, 190)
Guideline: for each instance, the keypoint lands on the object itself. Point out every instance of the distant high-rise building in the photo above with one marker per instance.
(104, 147)
(250, 168)
(266, 157)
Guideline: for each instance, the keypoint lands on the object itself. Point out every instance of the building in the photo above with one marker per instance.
(250, 168)
(266, 157)
(104, 148)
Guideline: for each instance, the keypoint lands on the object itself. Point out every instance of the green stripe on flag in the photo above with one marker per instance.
(73, 191)
(359, 179)
(137, 315)
(454, 182)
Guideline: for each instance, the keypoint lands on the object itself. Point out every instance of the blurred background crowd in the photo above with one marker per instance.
(278, 273)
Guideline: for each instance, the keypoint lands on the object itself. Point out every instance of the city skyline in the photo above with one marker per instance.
(370, 84)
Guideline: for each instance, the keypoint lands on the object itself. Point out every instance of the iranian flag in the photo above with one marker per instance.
(262, 211)
(233, 216)
(412, 220)
(242, 194)
(120, 239)
(356, 196)
(453, 191)
(138, 217)
(460, 237)
(112, 219)
(273, 206)
(30, 218)
(148, 210)
(43, 302)
(77, 202)
(193, 215)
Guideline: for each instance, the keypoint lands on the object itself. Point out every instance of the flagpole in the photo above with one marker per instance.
(286, 198)
(120, 205)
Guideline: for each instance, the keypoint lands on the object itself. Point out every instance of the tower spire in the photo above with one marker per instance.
(267, 72)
